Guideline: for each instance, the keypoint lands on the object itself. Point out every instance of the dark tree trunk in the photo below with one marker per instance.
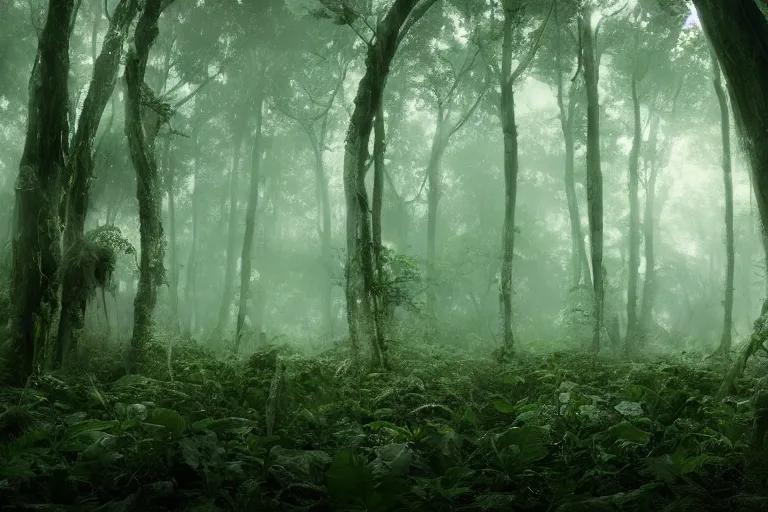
(594, 173)
(36, 236)
(634, 219)
(141, 145)
(724, 348)
(369, 94)
(229, 269)
(738, 33)
(246, 260)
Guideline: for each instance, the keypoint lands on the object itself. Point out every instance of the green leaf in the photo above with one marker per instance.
(519, 446)
(625, 431)
(349, 479)
(393, 459)
(168, 418)
(503, 406)
(232, 424)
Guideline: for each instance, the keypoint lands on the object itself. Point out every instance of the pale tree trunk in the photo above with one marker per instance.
(141, 147)
(511, 165)
(724, 349)
(579, 262)
(649, 230)
(379, 151)
(359, 267)
(36, 237)
(231, 259)
(80, 173)
(173, 275)
(190, 291)
(594, 173)
(246, 258)
(439, 144)
(508, 77)
(634, 219)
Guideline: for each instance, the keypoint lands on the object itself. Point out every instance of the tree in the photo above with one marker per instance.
(144, 114)
(389, 32)
(80, 174)
(594, 172)
(36, 235)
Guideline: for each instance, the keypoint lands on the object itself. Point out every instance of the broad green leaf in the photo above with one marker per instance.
(625, 431)
(503, 406)
(168, 418)
(349, 479)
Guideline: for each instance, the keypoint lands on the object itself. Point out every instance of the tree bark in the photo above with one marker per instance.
(579, 262)
(359, 242)
(724, 349)
(594, 173)
(634, 219)
(649, 231)
(229, 269)
(439, 145)
(173, 259)
(246, 260)
(141, 145)
(190, 291)
(36, 238)
(511, 167)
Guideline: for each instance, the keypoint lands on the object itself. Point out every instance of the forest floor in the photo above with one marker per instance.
(440, 432)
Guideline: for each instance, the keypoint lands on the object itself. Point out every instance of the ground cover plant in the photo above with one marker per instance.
(442, 431)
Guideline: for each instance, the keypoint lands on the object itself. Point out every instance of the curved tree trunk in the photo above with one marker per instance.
(724, 349)
(579, 262)
(80, 170)
(36, 235)
(246, 259)
(141, 145)
(369, 94)
(379, 150)
(594, 173)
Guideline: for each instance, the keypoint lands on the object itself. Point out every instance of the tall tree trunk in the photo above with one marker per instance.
(321, 179)
(141, 145)
(80, 173)
(511, 166)
(173, 259)
(379, 151)
(724, 348)
(738, 33)
(579, 261)
(369, 94)
(634, 219)
(190, 291)
(229, 269)
(439, 144)
(594, 172)
(36, 238)
(649, 231)
(246, 260)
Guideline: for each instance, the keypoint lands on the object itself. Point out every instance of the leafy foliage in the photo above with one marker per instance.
(441, 432)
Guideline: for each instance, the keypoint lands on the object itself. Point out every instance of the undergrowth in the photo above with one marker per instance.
(441, 432)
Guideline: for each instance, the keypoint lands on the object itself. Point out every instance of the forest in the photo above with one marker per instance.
(383, 255)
